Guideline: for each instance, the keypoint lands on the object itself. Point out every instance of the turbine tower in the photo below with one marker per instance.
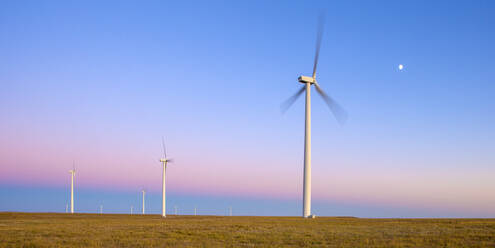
(337, 111)
(144, 193)
(164, 162)
(72, 173)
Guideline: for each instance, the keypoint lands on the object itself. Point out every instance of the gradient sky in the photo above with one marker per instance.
(99, 83)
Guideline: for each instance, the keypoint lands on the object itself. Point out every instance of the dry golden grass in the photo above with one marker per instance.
(112, 230)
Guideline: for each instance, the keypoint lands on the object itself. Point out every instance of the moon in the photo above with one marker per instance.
(401, 66)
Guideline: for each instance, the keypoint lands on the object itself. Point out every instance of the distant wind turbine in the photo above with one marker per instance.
(132, 209)
(144, 193)
(72, 173)
(337, 111)
(101, 209)
(164, 162)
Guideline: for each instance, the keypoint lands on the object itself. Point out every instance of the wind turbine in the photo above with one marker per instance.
(164, 162)
(72, 173)
(144, 193)
(337, 111)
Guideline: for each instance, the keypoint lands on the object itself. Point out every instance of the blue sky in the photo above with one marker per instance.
(101, 82)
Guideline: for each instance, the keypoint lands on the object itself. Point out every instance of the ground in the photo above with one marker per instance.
(114, 230)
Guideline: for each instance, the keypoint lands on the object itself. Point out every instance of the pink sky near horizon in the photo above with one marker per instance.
(128, 169)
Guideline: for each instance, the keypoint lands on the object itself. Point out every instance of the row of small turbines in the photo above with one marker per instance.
(143, 193)
(195, 211)
(338, 112)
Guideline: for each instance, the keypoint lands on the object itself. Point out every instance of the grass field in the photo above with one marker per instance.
(112, 230)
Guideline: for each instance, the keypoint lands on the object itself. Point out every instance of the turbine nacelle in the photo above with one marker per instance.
(163, 160)
(306, 79)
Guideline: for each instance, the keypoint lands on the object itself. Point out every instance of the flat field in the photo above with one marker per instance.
(118, 230)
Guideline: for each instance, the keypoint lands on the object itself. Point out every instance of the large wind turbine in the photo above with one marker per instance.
(72, 173)
(164, 162)
(338, 112)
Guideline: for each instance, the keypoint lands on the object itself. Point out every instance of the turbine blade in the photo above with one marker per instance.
(164, 149)
(319, 35)
(170, 160)
(339, 113)
(286, 105)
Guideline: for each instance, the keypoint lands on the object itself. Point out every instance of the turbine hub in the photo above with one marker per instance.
(306, 79)
(163, 160)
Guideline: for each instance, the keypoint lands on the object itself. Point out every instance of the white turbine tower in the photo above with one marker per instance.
(144, 193)
(72, 173)
(164, 162)
(338, 112)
